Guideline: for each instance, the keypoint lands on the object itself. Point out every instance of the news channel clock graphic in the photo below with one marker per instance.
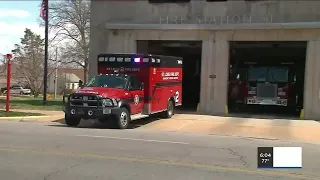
(279, 157)
(136, 99)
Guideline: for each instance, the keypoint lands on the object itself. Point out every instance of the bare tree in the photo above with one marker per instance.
(71, 21)
(3, 66)
(2, 58)
(29, 57)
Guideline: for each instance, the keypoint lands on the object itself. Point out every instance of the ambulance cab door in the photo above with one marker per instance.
(137, 95)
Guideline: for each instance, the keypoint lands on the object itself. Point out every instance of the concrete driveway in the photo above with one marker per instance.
(284, 129)
(253, 127)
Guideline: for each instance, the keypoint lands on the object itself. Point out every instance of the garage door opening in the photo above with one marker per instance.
(266, 78)
(190, 51)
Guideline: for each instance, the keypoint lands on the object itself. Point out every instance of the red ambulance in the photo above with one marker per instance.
(128, 87)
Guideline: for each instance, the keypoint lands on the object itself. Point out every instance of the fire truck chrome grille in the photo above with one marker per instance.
(84, 100)
(267, 90)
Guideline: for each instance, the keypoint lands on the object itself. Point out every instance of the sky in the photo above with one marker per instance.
(15, 17)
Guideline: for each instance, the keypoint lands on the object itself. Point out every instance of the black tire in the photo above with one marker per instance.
(72, 121)
(123, 120)
(170, 110)
(21, 93)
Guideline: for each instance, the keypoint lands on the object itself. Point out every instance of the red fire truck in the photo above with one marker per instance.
(128, 87)
(265, 84)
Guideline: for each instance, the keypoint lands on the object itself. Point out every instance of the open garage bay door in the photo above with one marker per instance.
(266, 77)
(190, 51)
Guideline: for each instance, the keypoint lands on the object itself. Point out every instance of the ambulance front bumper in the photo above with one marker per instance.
(92, 113)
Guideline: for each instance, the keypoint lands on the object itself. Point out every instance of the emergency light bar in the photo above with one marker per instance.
(137, 60)
(129, 59)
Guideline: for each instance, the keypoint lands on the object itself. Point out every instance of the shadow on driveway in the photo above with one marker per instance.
(95, 124)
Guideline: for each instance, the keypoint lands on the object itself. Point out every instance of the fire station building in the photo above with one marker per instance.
(126, 27)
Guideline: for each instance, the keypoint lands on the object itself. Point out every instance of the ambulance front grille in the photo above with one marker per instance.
(265, 90)
(84, 100)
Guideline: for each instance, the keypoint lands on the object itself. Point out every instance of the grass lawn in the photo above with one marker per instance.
(32, 103)
(16, 114)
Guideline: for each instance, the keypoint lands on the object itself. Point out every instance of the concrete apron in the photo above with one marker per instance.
(281, 129)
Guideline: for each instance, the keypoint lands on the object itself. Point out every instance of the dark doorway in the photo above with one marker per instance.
(190, 51)
(266, 77)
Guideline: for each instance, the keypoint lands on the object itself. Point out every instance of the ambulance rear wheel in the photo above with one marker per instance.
(170, 110)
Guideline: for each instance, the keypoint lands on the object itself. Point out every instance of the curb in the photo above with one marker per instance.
(32, 118)
(23, 117)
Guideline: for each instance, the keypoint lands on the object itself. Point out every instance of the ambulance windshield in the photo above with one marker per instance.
(108, 81)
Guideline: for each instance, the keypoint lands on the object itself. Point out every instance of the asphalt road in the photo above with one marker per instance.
(40, 151)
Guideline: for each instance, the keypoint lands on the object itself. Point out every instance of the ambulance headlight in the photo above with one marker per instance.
(106, 102)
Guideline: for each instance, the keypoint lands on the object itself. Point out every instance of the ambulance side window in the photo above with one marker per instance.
(134, 83)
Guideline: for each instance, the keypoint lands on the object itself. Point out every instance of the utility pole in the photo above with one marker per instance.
(56, 75)
(45, 74)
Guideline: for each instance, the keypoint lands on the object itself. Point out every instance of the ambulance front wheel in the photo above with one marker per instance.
(123, 119)
(170, 110)
(72, 121)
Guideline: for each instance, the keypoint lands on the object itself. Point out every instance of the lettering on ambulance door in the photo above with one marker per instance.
(137, 95)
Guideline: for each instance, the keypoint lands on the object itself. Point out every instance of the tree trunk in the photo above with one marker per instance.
(36, 94)
(85, 71)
